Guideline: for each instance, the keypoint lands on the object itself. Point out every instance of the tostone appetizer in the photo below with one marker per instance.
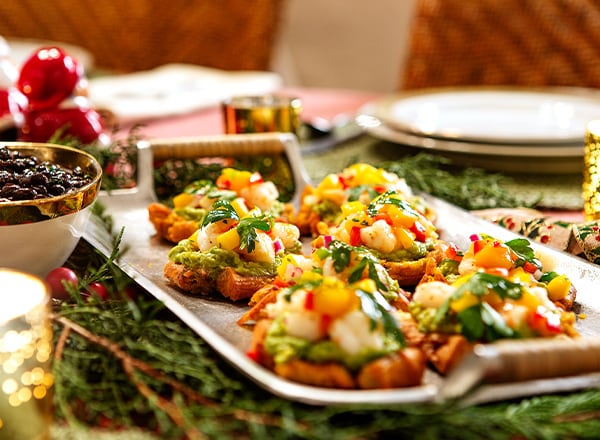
(326, 332)
(235, 252)
(394, 231)
(320, 206)
(190, 206)
(496, 290)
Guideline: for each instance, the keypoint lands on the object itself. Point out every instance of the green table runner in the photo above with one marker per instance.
(557, 191)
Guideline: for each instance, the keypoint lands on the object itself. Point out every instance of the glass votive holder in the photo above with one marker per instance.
(25, 357)
(259, 114)
(591, 171)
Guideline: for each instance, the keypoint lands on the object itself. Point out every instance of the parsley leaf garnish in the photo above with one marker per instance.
(378, 310)
(354, 193)
(390, 198)
(341, 254)
(221, 210)
(481, 321)
(247, 227)
(522, 248)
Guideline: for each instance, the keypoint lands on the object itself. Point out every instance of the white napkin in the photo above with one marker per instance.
(174, 89)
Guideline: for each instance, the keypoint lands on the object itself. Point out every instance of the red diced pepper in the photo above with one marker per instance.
(355, 239)
(343, 181)
(419, 230)
(478, 245)
(553, 323)
(452, 252)
(529, 267)
(224, 183)
(380, 189)
(545, 322)
(309, 301)
(253, 354)
(325, 322)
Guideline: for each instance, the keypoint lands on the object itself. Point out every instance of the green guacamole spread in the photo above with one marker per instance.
(425, 319)
(416, 251)
(193, 214)
(216, 259)
(284, 348)
(449, 269)
(328, 211)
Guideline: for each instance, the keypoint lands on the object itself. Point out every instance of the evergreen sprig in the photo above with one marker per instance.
(180, 374)
(467, 187)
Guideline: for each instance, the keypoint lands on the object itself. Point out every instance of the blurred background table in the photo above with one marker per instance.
(561, 193)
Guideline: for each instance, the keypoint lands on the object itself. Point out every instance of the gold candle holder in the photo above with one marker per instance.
(259, 114)
(591, 171)
(25, 354)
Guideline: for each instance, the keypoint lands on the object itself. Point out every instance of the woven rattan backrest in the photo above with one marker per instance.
(128, 35)
(504, 42)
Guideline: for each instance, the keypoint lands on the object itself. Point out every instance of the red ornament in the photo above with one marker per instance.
(48, 77)
(82, 124)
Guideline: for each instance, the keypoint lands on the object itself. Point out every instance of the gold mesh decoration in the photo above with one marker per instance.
(591, 171)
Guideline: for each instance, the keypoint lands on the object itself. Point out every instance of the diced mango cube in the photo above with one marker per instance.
(239, 205)
(334, 301)
(353, 207)
(558, 287)
(182, 200)
(465, 301)
(331, 181)
(404, 238)
(229, 240)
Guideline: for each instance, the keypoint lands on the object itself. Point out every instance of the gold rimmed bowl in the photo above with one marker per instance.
(39, 234)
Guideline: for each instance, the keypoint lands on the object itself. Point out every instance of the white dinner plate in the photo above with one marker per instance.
(500, 115)
(175, 89)
(517, 158)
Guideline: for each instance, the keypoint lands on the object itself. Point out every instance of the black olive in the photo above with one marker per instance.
(26, 177)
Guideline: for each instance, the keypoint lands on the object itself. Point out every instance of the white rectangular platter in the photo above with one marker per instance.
(215, 319)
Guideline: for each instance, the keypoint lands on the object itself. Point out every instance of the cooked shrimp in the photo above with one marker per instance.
(467, 265)
(306, 325)
(353, 333)
(379, 236)
(432, 294)
(297, 320)
(288, 234)
(336, 195)
(207, 235)
(261, 195)
(340, 233)
(263, 252)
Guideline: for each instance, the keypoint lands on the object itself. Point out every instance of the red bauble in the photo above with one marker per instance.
(48, 77)
(83, 124)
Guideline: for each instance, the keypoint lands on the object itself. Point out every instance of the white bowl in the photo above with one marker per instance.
(42, 233)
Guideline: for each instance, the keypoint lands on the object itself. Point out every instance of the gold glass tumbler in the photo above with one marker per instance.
(25, 355)
(259, 114)
(591, 171)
